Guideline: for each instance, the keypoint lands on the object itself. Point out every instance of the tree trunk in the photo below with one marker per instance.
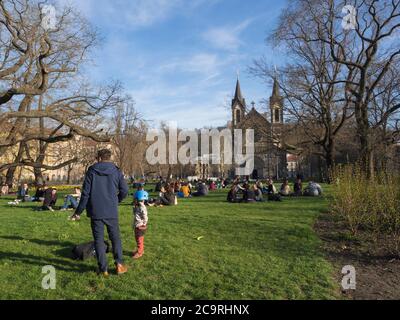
(39, 179)
(330, 159)
(69, 174)
(11, 171)
(10, 177)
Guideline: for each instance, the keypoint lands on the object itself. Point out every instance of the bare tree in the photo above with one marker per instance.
(309, 80)
(129, 137)
(358, 41)
(47, 100)
(367, 47)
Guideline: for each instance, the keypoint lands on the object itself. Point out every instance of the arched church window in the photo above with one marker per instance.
(238, 116)
(277, 115)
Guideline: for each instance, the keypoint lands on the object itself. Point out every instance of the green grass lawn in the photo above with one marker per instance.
(249, 251)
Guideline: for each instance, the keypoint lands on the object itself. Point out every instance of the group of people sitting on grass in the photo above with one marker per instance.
(185, 189)
(247, 192)
(168, 193)
(48, 196)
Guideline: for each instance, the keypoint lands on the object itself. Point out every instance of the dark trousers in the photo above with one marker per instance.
(98, 236)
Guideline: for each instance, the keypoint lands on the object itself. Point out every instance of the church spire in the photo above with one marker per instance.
(275, 91)
(238, 92)
(238, 105)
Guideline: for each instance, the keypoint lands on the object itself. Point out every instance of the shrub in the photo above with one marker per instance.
(371, 205)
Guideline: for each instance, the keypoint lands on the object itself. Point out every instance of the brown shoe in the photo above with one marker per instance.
(121, 269)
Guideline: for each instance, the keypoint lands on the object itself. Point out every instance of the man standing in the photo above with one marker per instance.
(103, 189)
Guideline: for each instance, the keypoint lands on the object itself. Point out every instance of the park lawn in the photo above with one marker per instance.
(248, 251)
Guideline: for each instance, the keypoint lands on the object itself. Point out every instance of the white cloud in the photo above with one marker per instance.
(226, 37)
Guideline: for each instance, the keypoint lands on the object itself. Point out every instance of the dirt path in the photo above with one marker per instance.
(377, 274)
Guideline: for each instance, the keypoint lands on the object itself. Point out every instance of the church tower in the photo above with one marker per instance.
(238, 106)
(276, 108)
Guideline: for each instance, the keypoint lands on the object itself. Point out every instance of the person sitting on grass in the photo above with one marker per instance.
(71, 201)
(22, 195)
(313, 190)
(39, 194)
(285, 189)
(213, 186)
(270, 189)
(140, 220)
(260, 185)
(4, 190)
(159, 185)
(258, 193)
(176, 186)
(185, 191)
(166, 197)
(233, 195)
(50, 199)
(202, 190)
(23, 192)
(298, 188)
(248, 194)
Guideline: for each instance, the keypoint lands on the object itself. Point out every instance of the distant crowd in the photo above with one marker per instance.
(258, 191)
(169, 192)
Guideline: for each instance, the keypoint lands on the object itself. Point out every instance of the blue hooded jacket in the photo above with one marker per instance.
(103, 189)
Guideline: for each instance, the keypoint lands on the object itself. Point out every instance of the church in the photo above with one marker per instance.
(270, 159)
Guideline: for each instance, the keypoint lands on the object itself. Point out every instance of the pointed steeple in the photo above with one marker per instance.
(276, 104)
(238, 105)
(275, 91)
(238, 93)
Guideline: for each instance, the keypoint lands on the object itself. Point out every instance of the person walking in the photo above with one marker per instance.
(103, 189)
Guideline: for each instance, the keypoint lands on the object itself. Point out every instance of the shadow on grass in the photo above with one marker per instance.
(40, 241)
(60, 264)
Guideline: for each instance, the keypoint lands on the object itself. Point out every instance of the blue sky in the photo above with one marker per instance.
(179, 58)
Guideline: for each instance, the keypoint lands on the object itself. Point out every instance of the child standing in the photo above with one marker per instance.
(140, 222)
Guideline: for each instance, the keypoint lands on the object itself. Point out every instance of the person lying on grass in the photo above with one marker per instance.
(71, 201)
(140, 220)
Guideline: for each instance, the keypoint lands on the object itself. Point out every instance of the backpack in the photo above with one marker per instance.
(86, 250)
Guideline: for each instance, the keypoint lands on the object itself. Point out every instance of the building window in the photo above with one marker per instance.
(238, 116)
(277, 115)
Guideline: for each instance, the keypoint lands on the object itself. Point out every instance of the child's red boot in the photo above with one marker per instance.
(140, 244)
